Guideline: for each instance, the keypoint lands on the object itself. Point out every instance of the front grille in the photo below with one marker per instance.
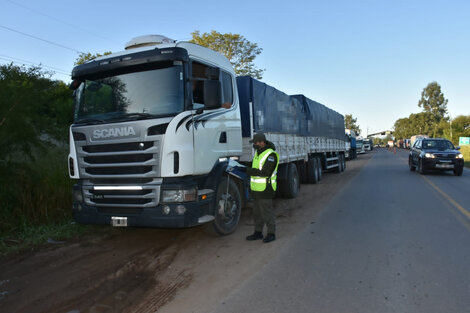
(119, 160)
(121, 181)
(444, 155)
(120, 165)
(128, 146)
(112, 159)
(121, 170)
(99, 193)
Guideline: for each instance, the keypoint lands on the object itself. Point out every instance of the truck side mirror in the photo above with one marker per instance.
(212, 94)
(75, 84)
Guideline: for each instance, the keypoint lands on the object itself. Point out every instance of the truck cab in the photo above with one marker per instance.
(154, 127)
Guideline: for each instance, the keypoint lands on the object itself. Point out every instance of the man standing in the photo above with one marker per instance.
(263, 185)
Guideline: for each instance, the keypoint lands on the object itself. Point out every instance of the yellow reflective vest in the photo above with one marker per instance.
(258, 183)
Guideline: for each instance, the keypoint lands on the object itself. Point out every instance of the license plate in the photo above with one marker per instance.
(444, 165)
(117, 221)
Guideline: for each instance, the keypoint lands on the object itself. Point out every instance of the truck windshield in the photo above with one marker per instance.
(139, 95)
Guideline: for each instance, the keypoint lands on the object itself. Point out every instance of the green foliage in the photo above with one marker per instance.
(460, 127)
(418, 124)
(433, 102)
(85, 57)
(465, 150)
(239, 51)
(33, 236)
(35, 113)
(350, 123)
(415, 124)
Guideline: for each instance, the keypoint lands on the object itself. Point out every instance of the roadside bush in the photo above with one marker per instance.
(466, 155)
(35, 192)
(35, 113)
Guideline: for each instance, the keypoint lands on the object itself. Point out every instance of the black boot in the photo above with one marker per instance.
(256, 235)
(269, 238)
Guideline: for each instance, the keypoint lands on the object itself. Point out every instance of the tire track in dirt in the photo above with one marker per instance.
(110, 275)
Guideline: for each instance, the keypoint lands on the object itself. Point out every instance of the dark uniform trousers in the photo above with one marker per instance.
(263, 213)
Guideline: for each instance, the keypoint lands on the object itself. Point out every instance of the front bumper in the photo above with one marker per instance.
(442, 164)
(85, 213)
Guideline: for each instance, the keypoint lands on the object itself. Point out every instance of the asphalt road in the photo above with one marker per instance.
(390, 241)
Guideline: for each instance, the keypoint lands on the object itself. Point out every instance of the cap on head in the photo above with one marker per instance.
(258, 137)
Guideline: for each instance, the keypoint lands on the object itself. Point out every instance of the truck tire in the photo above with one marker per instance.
(303, 172)
(227, 208)
(344, 162)
(289, 188)
(312, 171)
(337, 169)
(319, 169)
(341, 162)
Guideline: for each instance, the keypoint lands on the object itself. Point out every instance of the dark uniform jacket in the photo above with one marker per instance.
(268, 169)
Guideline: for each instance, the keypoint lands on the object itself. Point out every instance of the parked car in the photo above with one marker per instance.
(435, 154)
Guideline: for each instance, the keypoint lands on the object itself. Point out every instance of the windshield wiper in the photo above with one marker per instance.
(90, 121)
(133, 117)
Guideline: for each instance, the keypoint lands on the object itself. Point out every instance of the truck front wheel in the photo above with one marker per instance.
(227, 207)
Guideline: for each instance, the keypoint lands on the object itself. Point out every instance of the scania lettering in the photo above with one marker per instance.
(113, 132)
(156, 125)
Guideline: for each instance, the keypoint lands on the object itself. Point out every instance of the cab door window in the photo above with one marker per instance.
(227, 90)
(201, 73)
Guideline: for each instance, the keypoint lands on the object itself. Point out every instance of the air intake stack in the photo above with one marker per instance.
(148, 40)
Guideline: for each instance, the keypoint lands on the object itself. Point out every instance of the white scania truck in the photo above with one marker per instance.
(154, 128)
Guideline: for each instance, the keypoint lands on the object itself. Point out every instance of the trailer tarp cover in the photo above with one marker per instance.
(275, 111)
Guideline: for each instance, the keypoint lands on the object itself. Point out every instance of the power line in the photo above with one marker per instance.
(41, 39)
(18, 61)
(34, 63)
(58, 20)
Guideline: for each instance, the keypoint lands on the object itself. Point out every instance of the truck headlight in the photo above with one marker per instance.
(429, 156)
(459, 156)
(180, 195)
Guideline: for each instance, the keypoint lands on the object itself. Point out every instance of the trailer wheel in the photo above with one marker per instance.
(227, 208)
(338, 169)
(312, 171)
(303, 172)
(319, 169)
(290, 187)
(341, 163)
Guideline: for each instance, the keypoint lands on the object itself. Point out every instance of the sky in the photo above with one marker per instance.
(371, 59)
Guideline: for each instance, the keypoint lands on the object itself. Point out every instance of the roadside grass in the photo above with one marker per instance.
(31, 237)
(466, 155)
(36, 202)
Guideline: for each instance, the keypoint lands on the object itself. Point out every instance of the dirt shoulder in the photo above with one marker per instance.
(149, 270)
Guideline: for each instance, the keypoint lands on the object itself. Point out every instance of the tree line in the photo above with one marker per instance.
(35, 113)
(433, 120)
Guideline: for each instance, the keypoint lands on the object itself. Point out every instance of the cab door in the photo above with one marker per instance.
(216, 122)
